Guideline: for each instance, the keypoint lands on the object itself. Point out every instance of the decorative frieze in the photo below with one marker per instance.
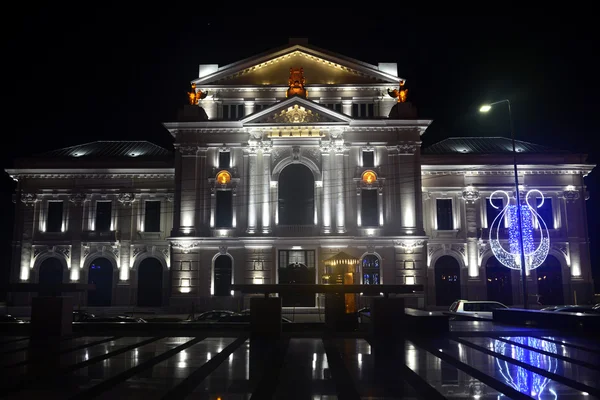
(78, 198)
(185, 245)
(126, 198)
(571, 194)
(407, 148)
(29, 199)
(470, 194)
(409, 244)
(187, 150)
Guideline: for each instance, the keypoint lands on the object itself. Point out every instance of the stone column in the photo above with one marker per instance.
(252, 184)
(176, 196)
(347, 107)
(77, 202)
(471, 197)
(340, 191)
(248, 107)
(408, 189)
(266, 190)
(187, 177)
(202, 197)
(326, 162)
(127, 207)
(31, 204)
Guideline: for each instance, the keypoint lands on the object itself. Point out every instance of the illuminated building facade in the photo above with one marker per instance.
(295, 166)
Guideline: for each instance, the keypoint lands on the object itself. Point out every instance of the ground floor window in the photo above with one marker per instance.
(297, 267)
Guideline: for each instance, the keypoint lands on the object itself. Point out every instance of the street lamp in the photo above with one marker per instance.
(485, 108)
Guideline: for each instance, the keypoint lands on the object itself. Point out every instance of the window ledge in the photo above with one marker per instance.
(150, 235)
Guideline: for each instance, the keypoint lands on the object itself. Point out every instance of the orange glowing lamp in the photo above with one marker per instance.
(369, 177)
(223, 177)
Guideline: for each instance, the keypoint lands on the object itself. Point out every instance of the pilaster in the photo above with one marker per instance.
(327, 184)
(266, 191)
(187, 183)
(340, 191)
(252, 195)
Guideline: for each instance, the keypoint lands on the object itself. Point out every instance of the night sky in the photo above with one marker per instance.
(76, 75)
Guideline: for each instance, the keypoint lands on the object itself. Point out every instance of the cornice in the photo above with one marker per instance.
(82, 175)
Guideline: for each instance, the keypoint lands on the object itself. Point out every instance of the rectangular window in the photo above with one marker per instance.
(369, 210)
(545, 212)
(492, 212)
(224, 217)
(152, 216)
(224, 159)
(363, 110)
(103, 215)
(225, 111)
(368, 159)
(233, 112)
(55, 216)
(444, 215)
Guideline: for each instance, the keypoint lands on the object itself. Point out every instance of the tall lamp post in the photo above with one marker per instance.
(484, 109)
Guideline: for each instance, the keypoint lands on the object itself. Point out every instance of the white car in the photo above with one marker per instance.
(481, 309)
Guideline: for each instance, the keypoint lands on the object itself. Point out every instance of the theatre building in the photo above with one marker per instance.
(300, 165)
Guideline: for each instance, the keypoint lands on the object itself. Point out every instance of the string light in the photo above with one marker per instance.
(534, 256)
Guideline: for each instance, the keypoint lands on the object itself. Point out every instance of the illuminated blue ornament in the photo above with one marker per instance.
(535, 249)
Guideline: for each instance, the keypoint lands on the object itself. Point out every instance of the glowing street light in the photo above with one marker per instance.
(485, 108)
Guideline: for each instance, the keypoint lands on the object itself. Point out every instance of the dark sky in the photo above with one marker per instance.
(81, 74)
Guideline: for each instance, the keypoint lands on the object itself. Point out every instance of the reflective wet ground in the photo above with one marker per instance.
(475, 361)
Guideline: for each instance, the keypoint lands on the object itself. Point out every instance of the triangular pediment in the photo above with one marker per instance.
(296, 110)
(320, 68)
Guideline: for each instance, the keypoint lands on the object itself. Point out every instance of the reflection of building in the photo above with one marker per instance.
(269, 179)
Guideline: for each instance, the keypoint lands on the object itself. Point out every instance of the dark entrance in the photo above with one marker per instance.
(447, 281)
(549, 282)
(223, 271)
(296, 196)
(297, 267)
(150, 280)
(51, 271)
(499, 282)
(101, 275)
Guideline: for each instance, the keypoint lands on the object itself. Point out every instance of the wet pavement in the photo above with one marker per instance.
(476, 360)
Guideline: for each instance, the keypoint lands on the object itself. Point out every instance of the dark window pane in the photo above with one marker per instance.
(368, 159)
(103, 215)
(225, 111)
(152, 216)
(545, 211)
(444, 215)
(222, 278)
(296, 196)
(55, 216)
(224, 209)
(492, 212)
(240, 111)
(224, 159)
(370, 110)
(355, 110)
(337, 107)
(363, 110)
(369, 211)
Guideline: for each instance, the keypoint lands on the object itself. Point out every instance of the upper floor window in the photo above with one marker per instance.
(545, 212)
(363, 110)
(368, 158)
(233, 111)
(260, 107)
(492, 212)
(224, 159)
(444, 215)
(54, 222)
(224, 211)
(152, 216)
(103, 215)
(333, 106)
(369, 214)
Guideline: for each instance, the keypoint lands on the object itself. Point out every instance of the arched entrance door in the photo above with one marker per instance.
(370, 270)
(296, 196)
(150, 281)
(223, 273)
(51, 271)
(447, 280)
(499, 282)
(549, 282)
(101, 275)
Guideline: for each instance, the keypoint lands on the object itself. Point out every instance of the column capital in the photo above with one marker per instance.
(187, 150)
(470, 194)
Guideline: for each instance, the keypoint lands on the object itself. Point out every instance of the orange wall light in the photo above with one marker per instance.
(369, 177)
(223, 177)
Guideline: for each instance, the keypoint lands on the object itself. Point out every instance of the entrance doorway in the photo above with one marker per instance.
(499, 282)
(297, 267)
(51, 271)
(549, 282)
(101, 275)
(150, 282)
(447, 280)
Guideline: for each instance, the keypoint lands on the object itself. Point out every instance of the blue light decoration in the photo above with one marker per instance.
(535, 249)
(522, 379)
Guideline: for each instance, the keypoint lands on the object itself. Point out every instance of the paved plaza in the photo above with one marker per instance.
(476, 360)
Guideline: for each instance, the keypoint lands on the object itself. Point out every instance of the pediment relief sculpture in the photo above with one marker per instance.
(296, 115)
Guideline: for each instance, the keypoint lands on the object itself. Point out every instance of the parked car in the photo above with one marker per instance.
(244, 317)
(82, 316)
(553, 308)
(476, 308)
(213, 316)
(119, 319)
(579, 309)
(10, 318)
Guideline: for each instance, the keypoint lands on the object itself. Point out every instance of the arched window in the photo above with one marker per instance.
(549, 282)
(101, 275)
(296, 200)
(222, 276)
(447, 280)
(150, 281)
(51, 271)
(371, 270)
(498, 282)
